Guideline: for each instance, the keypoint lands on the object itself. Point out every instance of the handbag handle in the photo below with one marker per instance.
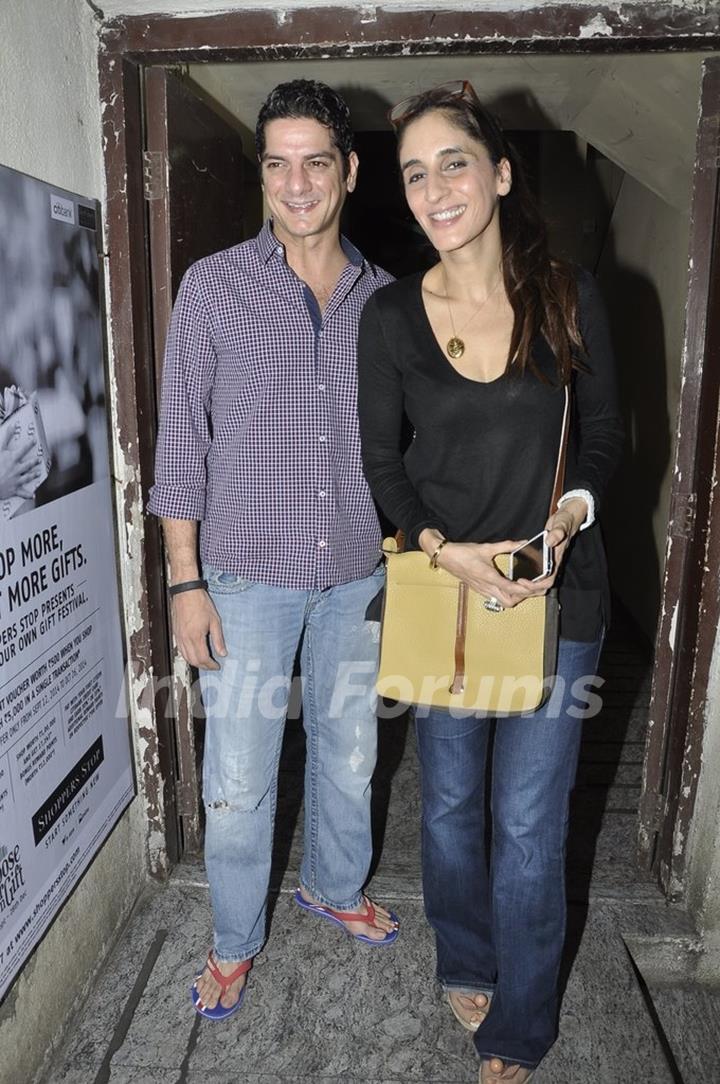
(559, 481)
(458, 682)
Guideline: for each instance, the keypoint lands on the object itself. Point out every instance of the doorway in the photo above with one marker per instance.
(562, 85)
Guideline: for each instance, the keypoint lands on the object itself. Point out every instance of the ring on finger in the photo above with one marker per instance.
(493, 605)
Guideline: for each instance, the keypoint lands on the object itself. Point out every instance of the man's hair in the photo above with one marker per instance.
(306, 98)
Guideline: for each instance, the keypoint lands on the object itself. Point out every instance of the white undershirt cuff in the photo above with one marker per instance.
(585, 495)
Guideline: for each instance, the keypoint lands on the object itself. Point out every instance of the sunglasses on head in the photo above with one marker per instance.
(457, 88)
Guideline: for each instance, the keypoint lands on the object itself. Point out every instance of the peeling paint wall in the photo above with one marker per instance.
(51, 129)
(141, 695)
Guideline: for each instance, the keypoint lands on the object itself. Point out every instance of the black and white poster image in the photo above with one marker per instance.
(52, 410)
(65, 757)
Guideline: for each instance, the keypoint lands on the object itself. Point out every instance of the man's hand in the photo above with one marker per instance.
(18, 469)
(194, 620)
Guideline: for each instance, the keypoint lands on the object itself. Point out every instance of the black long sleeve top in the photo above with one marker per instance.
(481, 463)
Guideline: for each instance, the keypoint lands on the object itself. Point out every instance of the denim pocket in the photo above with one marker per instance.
(225, 583)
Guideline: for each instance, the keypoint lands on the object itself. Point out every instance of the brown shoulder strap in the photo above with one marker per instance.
(559, 483)
(458, 683)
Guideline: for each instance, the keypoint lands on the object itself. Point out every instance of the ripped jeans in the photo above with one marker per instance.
(245, 704)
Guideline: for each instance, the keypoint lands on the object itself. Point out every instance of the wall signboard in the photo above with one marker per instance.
(65, 759)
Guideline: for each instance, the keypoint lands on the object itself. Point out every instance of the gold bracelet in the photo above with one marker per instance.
(436, 554)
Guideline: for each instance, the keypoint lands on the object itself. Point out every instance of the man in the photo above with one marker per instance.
(259, 443)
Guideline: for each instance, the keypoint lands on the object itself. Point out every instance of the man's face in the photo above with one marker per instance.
(304, 178)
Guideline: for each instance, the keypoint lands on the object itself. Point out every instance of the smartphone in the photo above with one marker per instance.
(533, 561)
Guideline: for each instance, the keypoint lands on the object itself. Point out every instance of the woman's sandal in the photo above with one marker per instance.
(489, 1076)
(341, 917)
(460, 1016)
(220, 1012)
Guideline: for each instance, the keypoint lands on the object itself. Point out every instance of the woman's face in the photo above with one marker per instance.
(451, 185)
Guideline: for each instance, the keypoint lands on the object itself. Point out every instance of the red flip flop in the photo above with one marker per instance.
(341, 917)
(220, 1012)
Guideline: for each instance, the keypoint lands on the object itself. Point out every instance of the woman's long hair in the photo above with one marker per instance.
(541, 290)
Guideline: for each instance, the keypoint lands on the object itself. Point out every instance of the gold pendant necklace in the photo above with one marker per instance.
(455, 345)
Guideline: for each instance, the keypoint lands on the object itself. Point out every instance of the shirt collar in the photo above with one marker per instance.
(353, 254)
(267, 243)
(268, 246)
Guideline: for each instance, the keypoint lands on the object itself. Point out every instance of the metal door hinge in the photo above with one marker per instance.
(153, 174)
(682, 515)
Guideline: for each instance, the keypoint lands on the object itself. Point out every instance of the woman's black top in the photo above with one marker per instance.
(481, 463)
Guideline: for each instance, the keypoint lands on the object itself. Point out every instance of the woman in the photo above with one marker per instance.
(477, 352)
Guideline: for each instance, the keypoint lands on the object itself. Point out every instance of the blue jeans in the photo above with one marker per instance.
(246, 704)
(500, 925)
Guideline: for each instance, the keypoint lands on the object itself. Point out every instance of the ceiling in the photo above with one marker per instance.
(638, 110)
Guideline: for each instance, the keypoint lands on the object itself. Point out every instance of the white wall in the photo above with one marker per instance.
(703, 857)
(51, 129)
(50, 109)
(643, 275)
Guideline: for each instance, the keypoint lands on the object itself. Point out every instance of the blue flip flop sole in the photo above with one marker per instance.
(219, 1012)
(315, 909)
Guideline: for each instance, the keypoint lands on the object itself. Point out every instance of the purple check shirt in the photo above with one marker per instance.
(258, 433)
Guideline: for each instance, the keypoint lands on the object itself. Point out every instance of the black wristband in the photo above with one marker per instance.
(188, 585)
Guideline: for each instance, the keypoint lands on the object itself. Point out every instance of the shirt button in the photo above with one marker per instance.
(322, 493)
(322, 439)
(321, 387)
(322, 543)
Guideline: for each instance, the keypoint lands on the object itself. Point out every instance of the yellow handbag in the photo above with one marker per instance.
(441, 647)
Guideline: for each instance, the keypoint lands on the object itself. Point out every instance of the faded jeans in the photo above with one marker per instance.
(500, 926)
(245, 704)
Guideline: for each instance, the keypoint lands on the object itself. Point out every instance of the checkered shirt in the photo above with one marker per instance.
(258, 432)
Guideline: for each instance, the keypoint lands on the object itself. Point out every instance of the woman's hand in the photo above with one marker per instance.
(473, 563)
(562, 527)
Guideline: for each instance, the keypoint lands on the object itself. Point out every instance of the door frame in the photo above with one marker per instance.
(690, 608)
(129, 44)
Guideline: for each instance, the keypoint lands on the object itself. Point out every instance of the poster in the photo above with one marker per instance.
(65, 759)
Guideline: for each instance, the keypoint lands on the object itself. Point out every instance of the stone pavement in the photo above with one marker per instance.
(321, 1008)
